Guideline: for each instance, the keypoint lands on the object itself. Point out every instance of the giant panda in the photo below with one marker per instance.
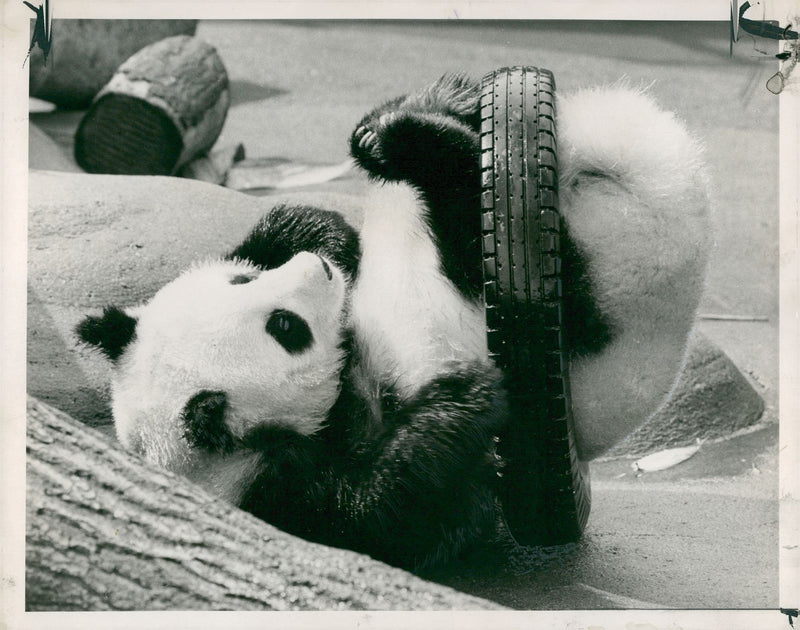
(336, 382)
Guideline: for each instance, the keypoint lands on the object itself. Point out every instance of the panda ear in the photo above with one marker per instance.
(110, 333)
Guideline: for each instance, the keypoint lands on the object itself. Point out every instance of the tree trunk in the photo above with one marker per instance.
(105, 531)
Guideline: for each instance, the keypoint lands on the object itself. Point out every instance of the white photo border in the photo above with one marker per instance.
(13, 232)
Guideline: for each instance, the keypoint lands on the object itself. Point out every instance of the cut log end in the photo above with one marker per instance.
(126, 135)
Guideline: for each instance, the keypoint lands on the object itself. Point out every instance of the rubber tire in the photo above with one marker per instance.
(545, 488)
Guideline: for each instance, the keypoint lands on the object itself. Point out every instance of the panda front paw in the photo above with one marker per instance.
(422, 148)
(366, 139)
(367, 146)
(423, 136)
(367, 134)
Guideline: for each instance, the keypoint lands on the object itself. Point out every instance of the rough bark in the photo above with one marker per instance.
(107, 532)
(87, 53)
(163, 107)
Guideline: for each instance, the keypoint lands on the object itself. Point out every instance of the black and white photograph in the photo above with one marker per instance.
(375, 309)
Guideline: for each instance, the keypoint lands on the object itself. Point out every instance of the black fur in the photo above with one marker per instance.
(204, 423)
(413, 489)
(587, 330)
(288, 230)
(110, 333)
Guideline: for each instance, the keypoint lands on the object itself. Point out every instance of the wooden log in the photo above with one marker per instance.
(106, 531)
(164, 106)
(87, 53)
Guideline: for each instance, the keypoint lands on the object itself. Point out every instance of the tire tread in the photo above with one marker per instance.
(546, 501)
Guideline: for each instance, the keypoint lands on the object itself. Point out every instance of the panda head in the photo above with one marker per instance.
(224, 351)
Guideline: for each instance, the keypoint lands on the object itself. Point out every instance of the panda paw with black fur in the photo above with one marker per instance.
(411, 138)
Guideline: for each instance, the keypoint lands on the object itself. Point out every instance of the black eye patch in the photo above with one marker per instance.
(290, 330)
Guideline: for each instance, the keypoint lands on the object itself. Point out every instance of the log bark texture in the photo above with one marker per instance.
(87, 53)
(105, 531)
(163, 107)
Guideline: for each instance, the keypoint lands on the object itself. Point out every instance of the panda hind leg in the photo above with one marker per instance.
(428, 487)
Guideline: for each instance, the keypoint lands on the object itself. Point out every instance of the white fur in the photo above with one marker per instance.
(226, 476)
(409, 318)
(633, 193)
(201, 332)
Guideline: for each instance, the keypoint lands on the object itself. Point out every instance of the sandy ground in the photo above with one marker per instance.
(705, 533)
